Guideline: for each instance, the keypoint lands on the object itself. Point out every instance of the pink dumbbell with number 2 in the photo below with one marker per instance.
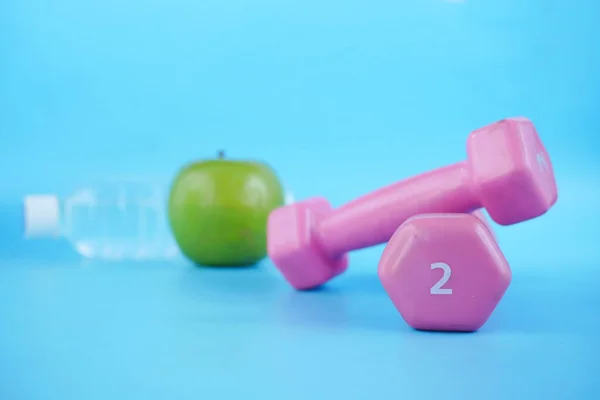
(444, 272)
(508, 171)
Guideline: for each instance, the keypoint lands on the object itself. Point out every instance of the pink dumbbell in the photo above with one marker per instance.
(444, 272)
(508, 172)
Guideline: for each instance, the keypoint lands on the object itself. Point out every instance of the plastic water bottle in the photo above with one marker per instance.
(123, 220)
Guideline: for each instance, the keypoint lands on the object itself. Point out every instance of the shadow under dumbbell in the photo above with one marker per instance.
(535, 303)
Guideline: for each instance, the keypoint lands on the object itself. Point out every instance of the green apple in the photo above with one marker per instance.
(218, 210)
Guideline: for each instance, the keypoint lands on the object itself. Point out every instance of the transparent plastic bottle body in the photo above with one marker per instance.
(122, 220)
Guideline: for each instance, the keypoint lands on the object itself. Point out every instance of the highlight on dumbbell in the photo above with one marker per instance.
(508, 172)
(444, 272)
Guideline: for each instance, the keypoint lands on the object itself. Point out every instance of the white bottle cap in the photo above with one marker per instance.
(41, 215)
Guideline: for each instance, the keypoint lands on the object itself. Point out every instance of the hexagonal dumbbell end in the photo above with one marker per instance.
(512, 170)
(444, 272)
(479, 214)
(293, 248)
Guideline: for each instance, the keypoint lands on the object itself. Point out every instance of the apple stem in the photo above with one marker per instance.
(221, 154)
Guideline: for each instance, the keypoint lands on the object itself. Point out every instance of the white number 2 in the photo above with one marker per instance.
(437, 288)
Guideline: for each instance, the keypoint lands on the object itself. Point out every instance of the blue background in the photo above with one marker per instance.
(340, 97)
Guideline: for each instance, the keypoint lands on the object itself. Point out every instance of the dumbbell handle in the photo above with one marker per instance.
(373, 218)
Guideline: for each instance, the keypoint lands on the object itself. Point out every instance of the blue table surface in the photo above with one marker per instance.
(73, 330)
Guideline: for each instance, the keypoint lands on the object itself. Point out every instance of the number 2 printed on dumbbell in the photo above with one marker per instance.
(508, 171)
(437, 288)
(444, 272)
